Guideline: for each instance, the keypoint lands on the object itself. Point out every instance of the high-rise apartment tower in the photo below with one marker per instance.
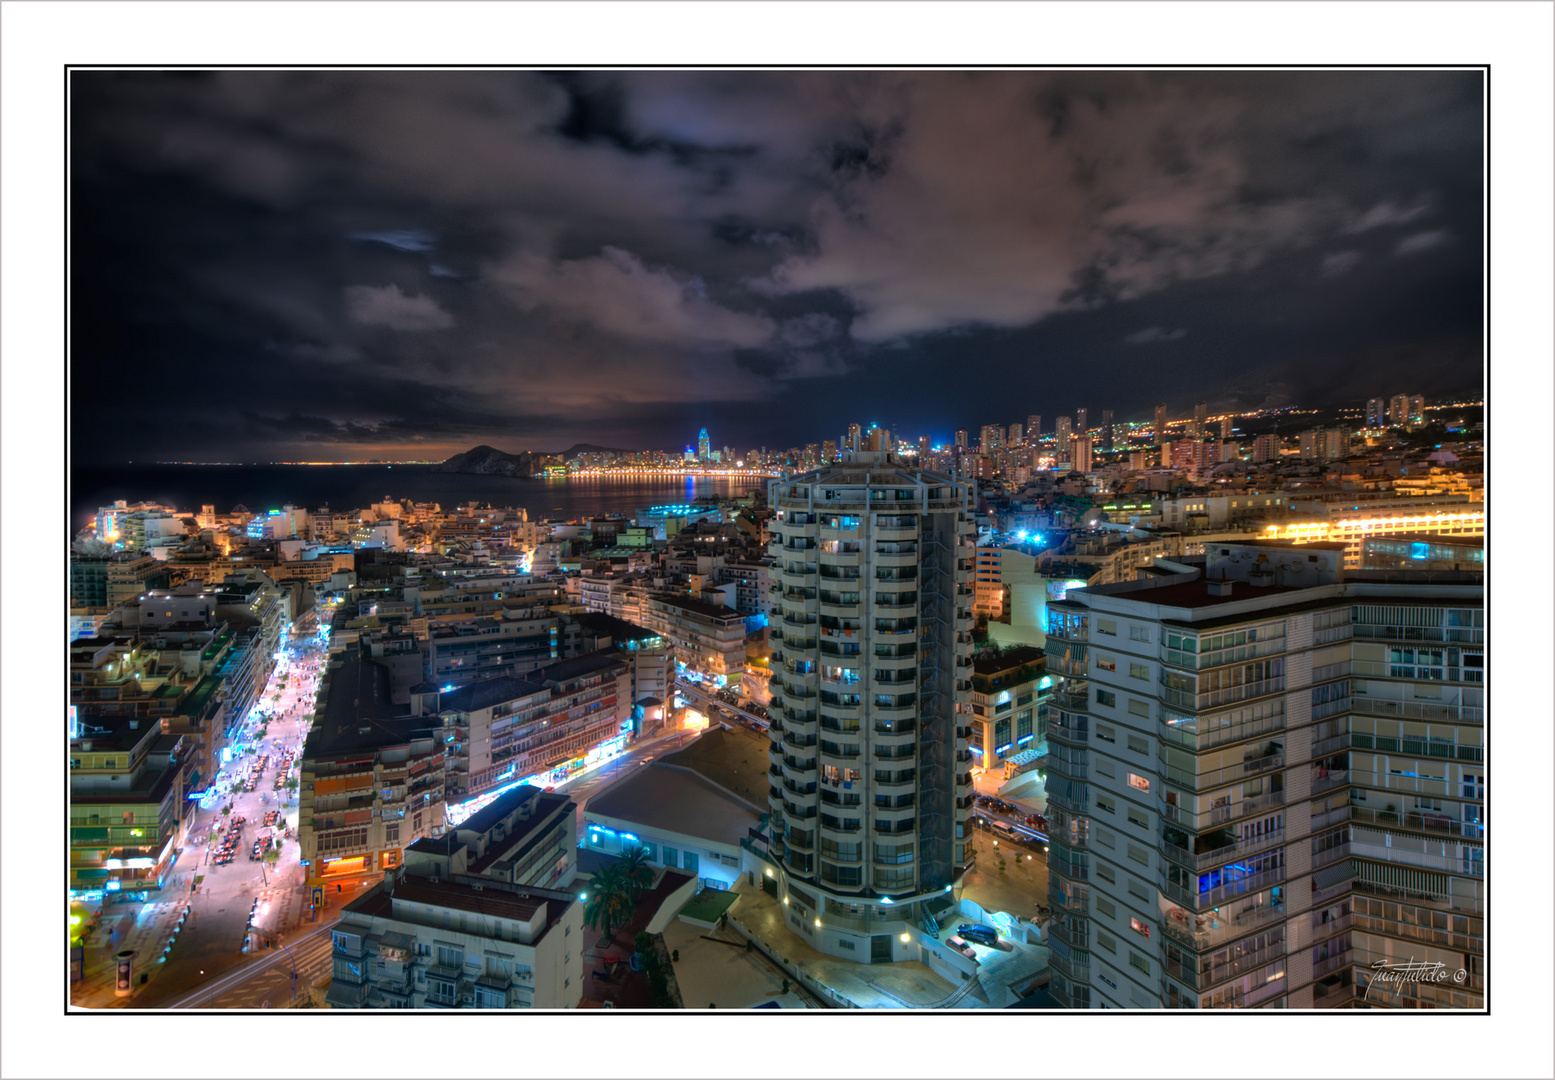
(870, 766)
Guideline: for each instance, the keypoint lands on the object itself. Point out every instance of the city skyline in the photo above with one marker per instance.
(657, 252)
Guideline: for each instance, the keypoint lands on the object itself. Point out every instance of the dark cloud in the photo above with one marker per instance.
(348, 258)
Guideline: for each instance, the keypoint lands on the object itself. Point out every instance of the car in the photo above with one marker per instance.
(961, 947)
(1004, 831)
(980, 933)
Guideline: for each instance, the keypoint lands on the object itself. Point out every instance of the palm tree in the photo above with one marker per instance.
(635, 870)
(608, 902)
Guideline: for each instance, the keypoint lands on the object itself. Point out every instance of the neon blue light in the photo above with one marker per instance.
(1021, 535)
(887, 900)
(1024, 740)
(112, 886)
(1002, 749)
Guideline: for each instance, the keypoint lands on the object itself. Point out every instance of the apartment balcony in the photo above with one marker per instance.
(1323, 747)
(1332, 996)
(1072, 701)
(1065, 966)
(1438, 824)
(1230, 774)
(1076, 934)
(895, 716)
(1199, 901)
(1195, 735)
(895, 532)
(1227, 696)
(1334, 963)
(1204, 860)
(1416, 851)
(836, 825)
(1212, 929)
(1415, 710)
(1073, 669)
(1328, 779)
(1205, 820)
(1434, 748)
(1208, 975)
(1074, 731)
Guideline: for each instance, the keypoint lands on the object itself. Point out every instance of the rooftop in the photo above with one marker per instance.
(358, 713)
(1008, 660)
(697, 607)
(676, 799)
(579, 666)
(484, 694)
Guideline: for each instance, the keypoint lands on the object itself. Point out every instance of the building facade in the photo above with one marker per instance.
(870, 792)
(1265, 776)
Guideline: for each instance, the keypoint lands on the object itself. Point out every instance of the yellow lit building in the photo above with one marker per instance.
(1351, 528)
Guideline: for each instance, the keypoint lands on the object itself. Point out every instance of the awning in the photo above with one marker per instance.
(396, 940)
(1330, 876)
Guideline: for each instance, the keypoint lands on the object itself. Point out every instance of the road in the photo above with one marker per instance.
(711, 705)
(267, 982)
(210, 944)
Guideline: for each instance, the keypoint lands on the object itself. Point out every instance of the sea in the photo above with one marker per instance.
(350, 487)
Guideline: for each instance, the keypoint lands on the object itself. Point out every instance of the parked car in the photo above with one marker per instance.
(961, 947)
(980, 933)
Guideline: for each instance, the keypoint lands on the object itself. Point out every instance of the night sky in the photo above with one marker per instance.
(333, 265)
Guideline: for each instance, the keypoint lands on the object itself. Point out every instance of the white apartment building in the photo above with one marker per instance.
(1266, 775)
(707, 637)
(871, 795)
(419, 940)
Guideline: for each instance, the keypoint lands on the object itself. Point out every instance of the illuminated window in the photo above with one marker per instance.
(1139, 782)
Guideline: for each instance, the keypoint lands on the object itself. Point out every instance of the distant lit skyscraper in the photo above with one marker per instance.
(1377, 412)
(855, 437)
(704, 446)
(923, 448)
(1080, 421)
(1106, 425)
(829, 450)
(1015, 437)
(992, 439)
(1061, 438)
(961, 438)
(1200, 419)
(1225, 427)
(1160, 424)
(1082, 453)
(1034, 428)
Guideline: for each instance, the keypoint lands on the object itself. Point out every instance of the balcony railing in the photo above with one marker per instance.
(1225, 696)
(1198, 901)
(1415, 820)
(1212, 930)
(1332, 964)
(1194, 735)
(1415, 710)
(1220, 777)
(1332, 997)
(1328, 779)
(1080, 973)
(1218, 815)
(1210, 975)
(1206, 859)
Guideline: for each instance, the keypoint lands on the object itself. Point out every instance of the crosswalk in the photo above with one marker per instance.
(268, 983)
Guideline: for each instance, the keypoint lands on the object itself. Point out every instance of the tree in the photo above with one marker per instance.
(636, 871)
(608, 903)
